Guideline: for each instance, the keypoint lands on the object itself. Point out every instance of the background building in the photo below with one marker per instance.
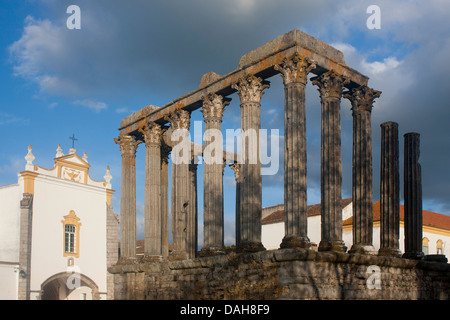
(58, 232)
(436, 228)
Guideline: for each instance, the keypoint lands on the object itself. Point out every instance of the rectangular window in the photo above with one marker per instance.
(69, 245)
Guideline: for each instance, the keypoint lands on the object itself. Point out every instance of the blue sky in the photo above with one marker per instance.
(55, 82)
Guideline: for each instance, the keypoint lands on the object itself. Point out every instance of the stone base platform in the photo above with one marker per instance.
(291, 273)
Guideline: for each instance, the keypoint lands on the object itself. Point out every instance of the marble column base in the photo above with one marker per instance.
(415, 255)
(127, 260)
(178, 255)
(152, 258)
(334, 245)
(211, 251)
(389, 252)
(436, 258)
(363, 249)
(249, 246)
(295, 242)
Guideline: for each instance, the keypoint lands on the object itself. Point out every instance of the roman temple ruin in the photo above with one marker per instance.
(293, 56)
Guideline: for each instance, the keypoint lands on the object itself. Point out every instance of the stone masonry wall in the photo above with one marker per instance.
(283, 274)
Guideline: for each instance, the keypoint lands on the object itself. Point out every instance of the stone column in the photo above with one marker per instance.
(412, 197)
(362, 99)
(389, 191)
(330, 87)
(128, 146)
(250, 90)
(213, 108)
(165, 152)
(192, 225)
(238, 222)
(181, 156)
(294, 72)
(152, 210)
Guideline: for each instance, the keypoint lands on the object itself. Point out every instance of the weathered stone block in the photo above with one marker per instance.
(282, 274)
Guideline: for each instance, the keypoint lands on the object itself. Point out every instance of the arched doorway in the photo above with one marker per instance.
(69, 286)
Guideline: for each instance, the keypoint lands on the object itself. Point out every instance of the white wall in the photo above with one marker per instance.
(9, 223)
(432, 237)
(314, 226)
(54, 198)
(9, 281)
(272, 235)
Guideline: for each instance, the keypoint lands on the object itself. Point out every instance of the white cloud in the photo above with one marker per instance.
(36, 54)
(376, 67)
(384, 75)
(168, 45)
(7, 118)
(53, 105)
(91, 104)
(123, 110)
(15, 165)
(359, 61)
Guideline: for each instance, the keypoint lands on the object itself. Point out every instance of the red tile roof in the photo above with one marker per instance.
(430, 219)
(312, 210)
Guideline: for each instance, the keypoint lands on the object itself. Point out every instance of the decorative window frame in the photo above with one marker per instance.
(440, 246)
(72, 219)
(425, 247)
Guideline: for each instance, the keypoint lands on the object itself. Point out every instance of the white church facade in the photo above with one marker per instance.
(58, 232)
(435, 230)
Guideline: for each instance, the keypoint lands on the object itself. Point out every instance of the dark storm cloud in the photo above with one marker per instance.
(154, 46)
(162, 48)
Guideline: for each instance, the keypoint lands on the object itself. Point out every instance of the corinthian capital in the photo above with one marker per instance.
(179, 119)
(295, 69)
(165, 153)
(213, 107)
(250, 88)
(128, 145)
(237, 171)
(152, 134)
(330, 84)
(362, 98)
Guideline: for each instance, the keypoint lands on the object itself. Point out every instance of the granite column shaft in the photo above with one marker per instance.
(389, 191)
(412, 197)
(128, 146)
(362, 173)
(152, 206)
(238, 221)
(330, 87)
(294, 72)
(250, 90)
(192, 225)
(181, 200)
(212, 110)
(165, 150)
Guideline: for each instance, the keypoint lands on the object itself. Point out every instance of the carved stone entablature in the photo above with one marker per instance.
(213, 107)
(362, 98)
(295, 69)
(179, 119)
(250, 88)
(128, 145)
(152, 134)
(330, 84)
(209, 78)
